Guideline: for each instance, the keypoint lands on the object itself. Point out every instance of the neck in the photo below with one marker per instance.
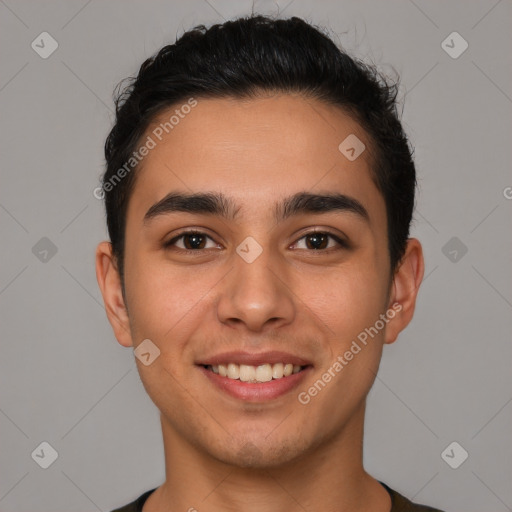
(329, 477)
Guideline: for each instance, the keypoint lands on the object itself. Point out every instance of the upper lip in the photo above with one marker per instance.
(252, 359)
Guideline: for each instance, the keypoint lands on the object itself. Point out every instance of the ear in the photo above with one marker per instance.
(404, 289)
(109, 282)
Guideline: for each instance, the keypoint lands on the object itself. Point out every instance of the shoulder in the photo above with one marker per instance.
(135, 506)
(400, 503)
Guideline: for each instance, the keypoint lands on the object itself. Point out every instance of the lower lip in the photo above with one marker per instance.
(256, 392)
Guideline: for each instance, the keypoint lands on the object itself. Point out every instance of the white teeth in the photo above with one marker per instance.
(277, 370)
(233, 371)
(261, 373)
(264, 373)
(247, 373)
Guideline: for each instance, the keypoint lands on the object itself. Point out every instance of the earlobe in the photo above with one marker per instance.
(405, 287)
(109, 282)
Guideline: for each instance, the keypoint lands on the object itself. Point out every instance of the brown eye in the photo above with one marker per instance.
(317, 241)
(320, 240)
(194, 241)
(190, 241)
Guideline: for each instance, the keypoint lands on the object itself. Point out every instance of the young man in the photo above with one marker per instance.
(259, 190)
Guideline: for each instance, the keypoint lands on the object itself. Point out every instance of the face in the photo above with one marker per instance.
(258, 275)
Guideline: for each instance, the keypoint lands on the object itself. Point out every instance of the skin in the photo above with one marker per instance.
(220, 452)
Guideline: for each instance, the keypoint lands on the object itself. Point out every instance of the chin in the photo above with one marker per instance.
(261, 454)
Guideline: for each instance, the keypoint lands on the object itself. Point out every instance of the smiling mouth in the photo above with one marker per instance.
(255, 374)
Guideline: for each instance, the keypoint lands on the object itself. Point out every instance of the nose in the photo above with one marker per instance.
(256, 296)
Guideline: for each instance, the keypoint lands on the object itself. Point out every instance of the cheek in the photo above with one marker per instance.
(166, 302)
(351, 308)
(347, 301)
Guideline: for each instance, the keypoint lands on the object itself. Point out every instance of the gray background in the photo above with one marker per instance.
(64, 378)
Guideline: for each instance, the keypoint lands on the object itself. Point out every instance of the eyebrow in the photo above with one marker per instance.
(216, 203)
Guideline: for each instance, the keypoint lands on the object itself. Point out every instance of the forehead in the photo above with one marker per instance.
(255, 151)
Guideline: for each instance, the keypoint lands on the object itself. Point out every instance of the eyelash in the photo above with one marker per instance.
(342, 243)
